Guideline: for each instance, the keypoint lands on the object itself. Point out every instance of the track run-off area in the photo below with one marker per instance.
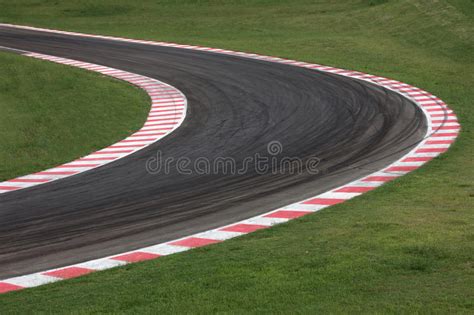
(363, 130)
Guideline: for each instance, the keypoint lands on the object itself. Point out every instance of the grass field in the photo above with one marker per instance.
(406, 247)
(52, 114)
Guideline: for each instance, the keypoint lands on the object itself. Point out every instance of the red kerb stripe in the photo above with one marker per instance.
(194, 242)
(355, 189)
(287, 214)
(244, 228)
(323, 201)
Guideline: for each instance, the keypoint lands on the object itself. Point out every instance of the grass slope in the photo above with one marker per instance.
(406, 247)
(51, 114)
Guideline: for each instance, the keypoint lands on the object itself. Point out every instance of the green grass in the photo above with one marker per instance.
(52, 114)
(406, 247)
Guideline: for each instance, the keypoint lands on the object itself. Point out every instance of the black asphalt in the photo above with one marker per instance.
(236, 107)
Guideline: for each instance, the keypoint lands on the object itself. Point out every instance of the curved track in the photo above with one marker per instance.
(236, 106)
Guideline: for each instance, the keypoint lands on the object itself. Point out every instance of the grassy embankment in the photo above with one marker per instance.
(406, 247)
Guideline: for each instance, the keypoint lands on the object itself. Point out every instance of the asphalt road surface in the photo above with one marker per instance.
(236, 106)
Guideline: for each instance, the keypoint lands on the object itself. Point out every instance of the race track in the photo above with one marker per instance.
(236, 106)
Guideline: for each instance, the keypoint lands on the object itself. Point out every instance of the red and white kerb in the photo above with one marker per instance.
(168, 109)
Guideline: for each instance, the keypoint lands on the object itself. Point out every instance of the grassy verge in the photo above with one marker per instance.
(52, 114)
(406, 247)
